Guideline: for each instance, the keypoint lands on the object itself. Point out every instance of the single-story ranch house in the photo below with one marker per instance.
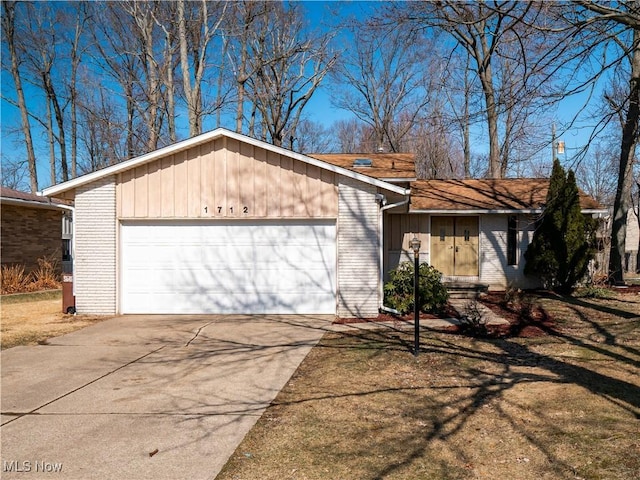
(224, 223)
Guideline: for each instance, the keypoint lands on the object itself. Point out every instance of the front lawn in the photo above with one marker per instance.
(562, 405)
(32, 318)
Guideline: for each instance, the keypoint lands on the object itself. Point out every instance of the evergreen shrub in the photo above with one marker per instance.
(398, 291)
(562, 244)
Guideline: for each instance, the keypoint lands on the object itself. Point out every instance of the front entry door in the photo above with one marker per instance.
(454, 245)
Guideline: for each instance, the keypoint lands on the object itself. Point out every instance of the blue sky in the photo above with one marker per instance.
(323, 14)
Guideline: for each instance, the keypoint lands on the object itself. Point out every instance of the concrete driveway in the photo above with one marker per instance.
(138, 397)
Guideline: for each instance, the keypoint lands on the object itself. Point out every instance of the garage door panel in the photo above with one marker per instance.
(228, 268)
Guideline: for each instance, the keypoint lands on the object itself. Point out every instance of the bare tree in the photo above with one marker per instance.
(195, 33)
(76, 50)
(436, 153)
(9, 35)
(350, 136)
(116, 55)
(14, 173)
(513, 61)
(613, 21)
(289, 64)
(101, 136)
(142, 14)
(595, 173)
(311, 137)
(41, 45)
(385, 81)
(240, 26)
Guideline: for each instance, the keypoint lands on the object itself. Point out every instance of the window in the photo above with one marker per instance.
(66, 250)
(512, 240)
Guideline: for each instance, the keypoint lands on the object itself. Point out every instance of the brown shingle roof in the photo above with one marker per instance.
(9, 194)
(486, 194)
(18, 195)
(383, 165)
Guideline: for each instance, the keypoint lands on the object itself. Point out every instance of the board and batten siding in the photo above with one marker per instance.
(358, 250)
(95, 247)
(227, 179)
(399, 230)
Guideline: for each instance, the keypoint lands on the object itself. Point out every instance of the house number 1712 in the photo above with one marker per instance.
(245, 209)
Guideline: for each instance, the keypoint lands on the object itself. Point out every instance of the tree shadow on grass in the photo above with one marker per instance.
(488, 386)
(515, 360)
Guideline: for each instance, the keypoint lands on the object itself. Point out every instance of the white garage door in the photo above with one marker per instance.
(231, 267)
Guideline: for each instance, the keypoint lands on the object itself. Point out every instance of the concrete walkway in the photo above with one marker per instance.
(145, 397)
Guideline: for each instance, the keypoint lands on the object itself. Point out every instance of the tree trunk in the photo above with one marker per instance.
(8, 24)
(130, 115)
(52, 144)
(486, 79)
(466, 128)
(625, 172)
(64, 167)
(186, 70)
(73, 91)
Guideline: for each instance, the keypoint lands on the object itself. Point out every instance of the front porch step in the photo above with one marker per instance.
(465, 290)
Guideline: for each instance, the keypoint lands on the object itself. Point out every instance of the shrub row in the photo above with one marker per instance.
(13, 278)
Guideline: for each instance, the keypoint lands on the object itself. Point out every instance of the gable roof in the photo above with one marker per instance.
(205, 138)
(507, 195)
(384, 166)
(9, 196)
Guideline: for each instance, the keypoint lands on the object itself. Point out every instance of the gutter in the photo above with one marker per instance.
(384, 207)
(32, 203)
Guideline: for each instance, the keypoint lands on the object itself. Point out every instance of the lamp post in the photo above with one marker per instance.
(415, 246)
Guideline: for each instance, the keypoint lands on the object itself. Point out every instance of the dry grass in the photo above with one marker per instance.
(361, 406)
(33, 318)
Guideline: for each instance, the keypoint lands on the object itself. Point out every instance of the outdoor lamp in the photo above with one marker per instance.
(415, 246)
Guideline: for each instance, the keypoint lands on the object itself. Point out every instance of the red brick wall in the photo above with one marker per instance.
(28, 234)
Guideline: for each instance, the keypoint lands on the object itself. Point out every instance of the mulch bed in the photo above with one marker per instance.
(449, 312)
(523, 322)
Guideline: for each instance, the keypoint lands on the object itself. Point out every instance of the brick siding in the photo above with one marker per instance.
(29, 234)
(95, 248)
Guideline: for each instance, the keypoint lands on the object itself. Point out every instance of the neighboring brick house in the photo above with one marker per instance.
(31, 227)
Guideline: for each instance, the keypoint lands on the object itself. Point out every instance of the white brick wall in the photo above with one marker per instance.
(95, 247)
(358, 250)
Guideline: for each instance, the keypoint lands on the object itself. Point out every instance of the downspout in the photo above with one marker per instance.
(384, 207)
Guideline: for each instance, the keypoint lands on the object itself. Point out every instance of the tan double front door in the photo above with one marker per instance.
(454, 245)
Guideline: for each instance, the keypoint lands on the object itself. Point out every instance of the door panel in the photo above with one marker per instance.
(466, 246)
(454, 245)
(442, 244)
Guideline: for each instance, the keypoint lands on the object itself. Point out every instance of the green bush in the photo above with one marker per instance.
(562, 244)
(398, 291)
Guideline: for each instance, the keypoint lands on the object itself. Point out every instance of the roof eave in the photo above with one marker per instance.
(31, 203)
(596, 211)
(503, 211)
(398, 179)
(477, 211)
